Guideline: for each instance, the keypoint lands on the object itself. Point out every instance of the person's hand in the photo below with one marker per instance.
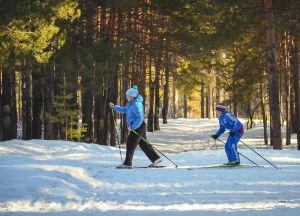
(214, 136)
(232, 134)
(129, 128)
(111, 105)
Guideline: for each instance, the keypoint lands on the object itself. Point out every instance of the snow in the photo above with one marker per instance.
(39, 177)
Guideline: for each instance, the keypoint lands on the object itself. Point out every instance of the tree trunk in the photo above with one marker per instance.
(125, 86)
(99, 113)
(151, 110)
(250, 120)
(166, 91)
(174, 101)
(276, 140)
(113, 98)
(57, 80)
(185, 108)
(9, 105)
(287, 86)
(87, 111)
(143, 68)
(157, 87)
(235, 107)
(206, 105)
(218, 89)
(60, 82)
(124, 129)
(202, 99)
(48, 107)
(107, 113)
(1, 107)
(296, 75)
(14, 106)
(292, 104)
(37, 103)
(97, 120)
(263, 113)
(26, 103)
(210, 98)
(90, 23)
(150, 122)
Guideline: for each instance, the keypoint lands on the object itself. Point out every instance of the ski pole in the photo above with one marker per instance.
(249, 159)
(115, 123)
(242, 155)
(214, 145)
(154, 147)
(259, 154)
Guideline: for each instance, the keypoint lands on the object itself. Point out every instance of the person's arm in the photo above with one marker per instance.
(139, 116)
(220, 131)
(121, 109)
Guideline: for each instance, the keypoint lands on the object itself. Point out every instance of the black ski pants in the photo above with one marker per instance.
(134, 140)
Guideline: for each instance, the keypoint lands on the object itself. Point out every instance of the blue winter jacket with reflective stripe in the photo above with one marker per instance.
(230, 122)
(134, 112)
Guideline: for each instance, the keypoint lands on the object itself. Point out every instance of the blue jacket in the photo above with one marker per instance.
(230, 122)
(134, 112)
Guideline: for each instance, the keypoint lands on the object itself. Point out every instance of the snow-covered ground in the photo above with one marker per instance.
(192, 134)
(66, 178)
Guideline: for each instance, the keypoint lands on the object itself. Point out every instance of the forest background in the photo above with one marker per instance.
(62, 62)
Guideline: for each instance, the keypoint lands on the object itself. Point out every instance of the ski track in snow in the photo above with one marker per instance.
(39, 177)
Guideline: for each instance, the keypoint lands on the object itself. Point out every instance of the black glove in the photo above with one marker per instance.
(214, 136)
(232, 134)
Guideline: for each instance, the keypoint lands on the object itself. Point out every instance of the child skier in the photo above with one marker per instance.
(230, 122)
(135, 120)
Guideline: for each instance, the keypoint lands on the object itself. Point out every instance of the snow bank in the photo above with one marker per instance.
(67, 178)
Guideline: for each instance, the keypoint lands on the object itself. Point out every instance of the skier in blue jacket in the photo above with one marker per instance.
(135, 121)
(230, 122)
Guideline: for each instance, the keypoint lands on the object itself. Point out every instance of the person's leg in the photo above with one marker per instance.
(146, 147)
(232, 146)
(237, 139)
(235, 154)
(228, 150)
(131, 145)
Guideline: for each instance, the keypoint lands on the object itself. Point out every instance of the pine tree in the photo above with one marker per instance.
(67, 115)
(274, 85)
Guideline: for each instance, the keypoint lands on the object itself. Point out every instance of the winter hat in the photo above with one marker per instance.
(133, 92)
(221, 107)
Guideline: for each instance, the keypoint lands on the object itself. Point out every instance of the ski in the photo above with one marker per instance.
(215, 166)
(222, 166)
(141, 167)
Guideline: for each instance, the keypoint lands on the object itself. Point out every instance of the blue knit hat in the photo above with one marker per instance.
(133, 92)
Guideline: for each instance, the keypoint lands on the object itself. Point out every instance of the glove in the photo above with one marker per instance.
(214, 136)
(111, 105)
(232, 134)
